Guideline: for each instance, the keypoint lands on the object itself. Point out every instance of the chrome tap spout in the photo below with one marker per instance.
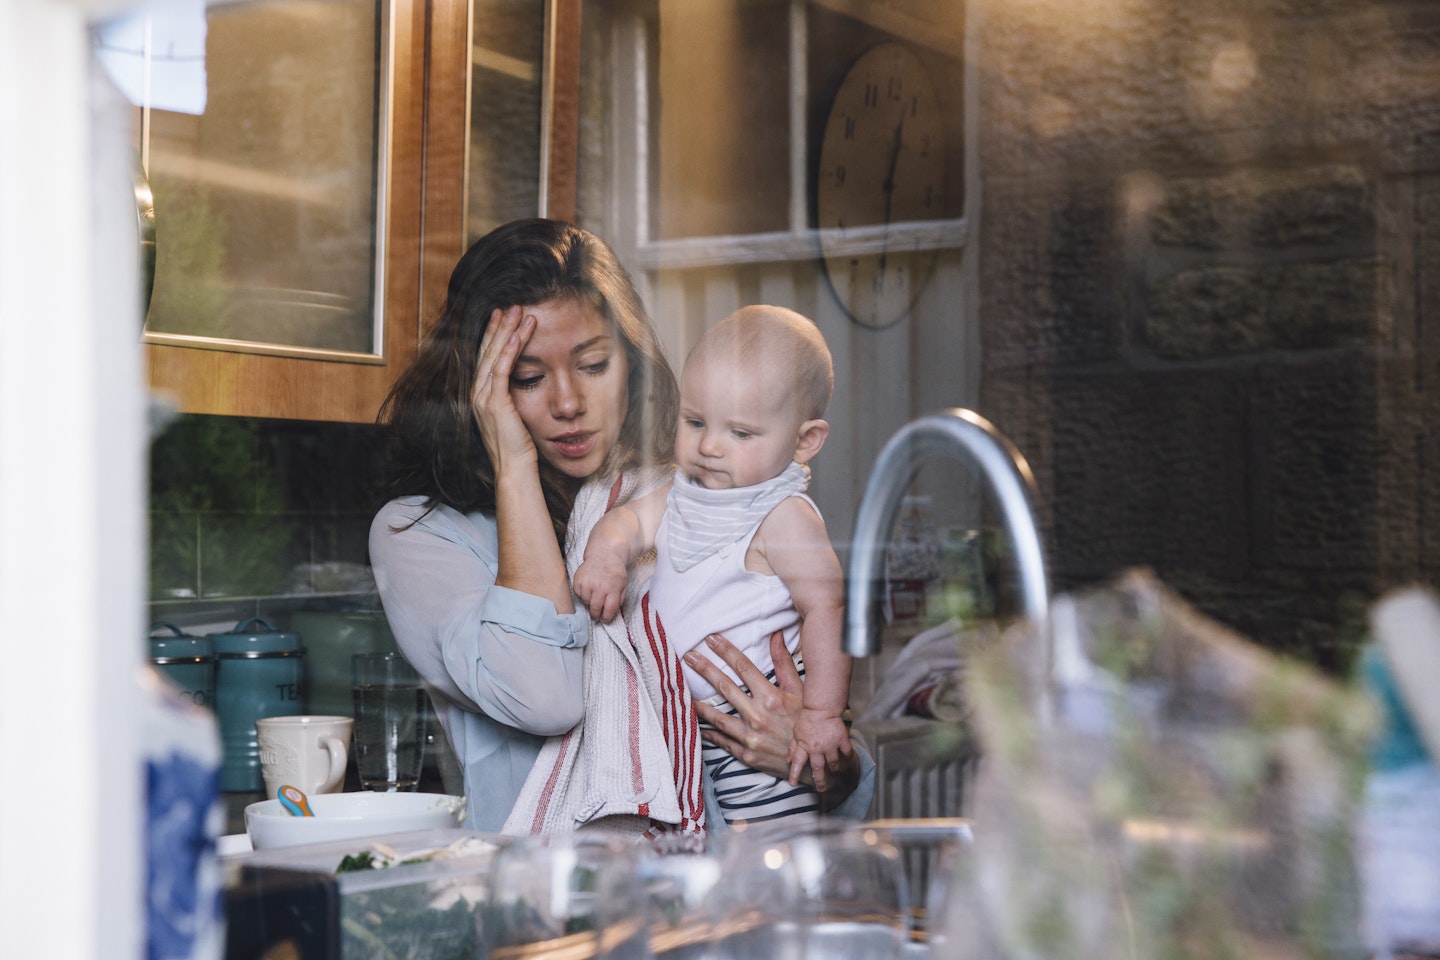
(962, 434)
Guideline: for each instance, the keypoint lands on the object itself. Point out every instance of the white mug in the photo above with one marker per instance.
(309, 752)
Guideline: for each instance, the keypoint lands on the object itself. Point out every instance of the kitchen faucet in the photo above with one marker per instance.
(963, 434)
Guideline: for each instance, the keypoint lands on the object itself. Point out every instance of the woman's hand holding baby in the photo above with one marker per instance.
(759, 734)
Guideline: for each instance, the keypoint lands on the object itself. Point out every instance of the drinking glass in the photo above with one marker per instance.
(812, 890)
(390, 704)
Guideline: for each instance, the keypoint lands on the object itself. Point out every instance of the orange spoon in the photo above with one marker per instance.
(294, 800)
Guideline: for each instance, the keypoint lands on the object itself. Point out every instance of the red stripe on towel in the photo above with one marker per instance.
(548, 793)
(674, 703)
(682, 728)
(651, 621)
(632, 694)
(697, 799)
(689, 784)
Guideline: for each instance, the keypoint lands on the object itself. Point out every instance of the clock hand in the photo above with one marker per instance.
(889, 187)
(889, 184)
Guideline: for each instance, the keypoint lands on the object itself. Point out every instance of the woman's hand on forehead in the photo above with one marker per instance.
(501, 428)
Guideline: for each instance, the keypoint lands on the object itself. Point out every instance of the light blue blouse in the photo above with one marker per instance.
(504, 669)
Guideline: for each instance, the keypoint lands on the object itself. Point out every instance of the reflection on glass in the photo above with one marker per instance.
(267, 202)
(507, 54)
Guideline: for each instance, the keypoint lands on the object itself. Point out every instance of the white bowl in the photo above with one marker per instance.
(345, 816)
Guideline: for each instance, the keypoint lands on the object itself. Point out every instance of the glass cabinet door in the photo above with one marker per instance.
(269, 202)
(507, 86)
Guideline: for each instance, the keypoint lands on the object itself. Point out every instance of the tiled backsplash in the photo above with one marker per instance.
(265, 518)
(258, 517)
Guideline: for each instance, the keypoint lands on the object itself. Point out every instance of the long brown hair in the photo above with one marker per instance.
(434, 444)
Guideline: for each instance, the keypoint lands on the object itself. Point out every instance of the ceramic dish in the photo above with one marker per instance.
(345, 816)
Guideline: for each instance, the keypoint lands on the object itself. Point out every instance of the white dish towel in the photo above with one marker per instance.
(632, 765)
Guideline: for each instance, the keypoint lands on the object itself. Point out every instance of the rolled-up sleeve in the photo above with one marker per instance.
(486, 648)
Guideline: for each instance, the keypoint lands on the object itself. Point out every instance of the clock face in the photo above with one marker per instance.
(882, 162)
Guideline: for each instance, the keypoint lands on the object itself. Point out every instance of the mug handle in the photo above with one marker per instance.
(338, 759)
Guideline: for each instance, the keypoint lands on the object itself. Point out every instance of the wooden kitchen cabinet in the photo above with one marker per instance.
(432, 91)
(465, 46)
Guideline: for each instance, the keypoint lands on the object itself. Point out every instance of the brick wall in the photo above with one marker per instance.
(1208, 237)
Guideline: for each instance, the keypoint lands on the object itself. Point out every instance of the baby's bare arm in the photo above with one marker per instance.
(602, 577)
(648, 510)
(616, 540)
(797, 547)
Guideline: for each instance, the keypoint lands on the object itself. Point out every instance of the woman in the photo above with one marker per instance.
(541, 386)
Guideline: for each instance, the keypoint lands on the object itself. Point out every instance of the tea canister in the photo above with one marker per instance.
(259, 673)
(185, 660)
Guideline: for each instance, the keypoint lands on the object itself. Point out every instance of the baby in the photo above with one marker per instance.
(740, 550)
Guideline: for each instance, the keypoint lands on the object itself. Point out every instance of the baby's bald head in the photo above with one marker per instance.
(778, 344)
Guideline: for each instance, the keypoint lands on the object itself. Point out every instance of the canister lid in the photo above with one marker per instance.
(179, 645)
(255, 637)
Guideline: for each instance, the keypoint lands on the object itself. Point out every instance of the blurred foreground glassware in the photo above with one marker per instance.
(956, 927)
(675, 888)
(563, 895)
(810, 890)
(936, 855)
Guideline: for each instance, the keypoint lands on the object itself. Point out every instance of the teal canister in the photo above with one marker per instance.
(185, 660)
(259, 673)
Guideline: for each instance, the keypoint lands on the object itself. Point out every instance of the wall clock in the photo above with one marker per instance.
(882, 162)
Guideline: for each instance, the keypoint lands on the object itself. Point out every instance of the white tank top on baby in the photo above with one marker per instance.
(718, 595)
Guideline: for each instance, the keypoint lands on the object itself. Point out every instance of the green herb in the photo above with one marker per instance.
(356, 862)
